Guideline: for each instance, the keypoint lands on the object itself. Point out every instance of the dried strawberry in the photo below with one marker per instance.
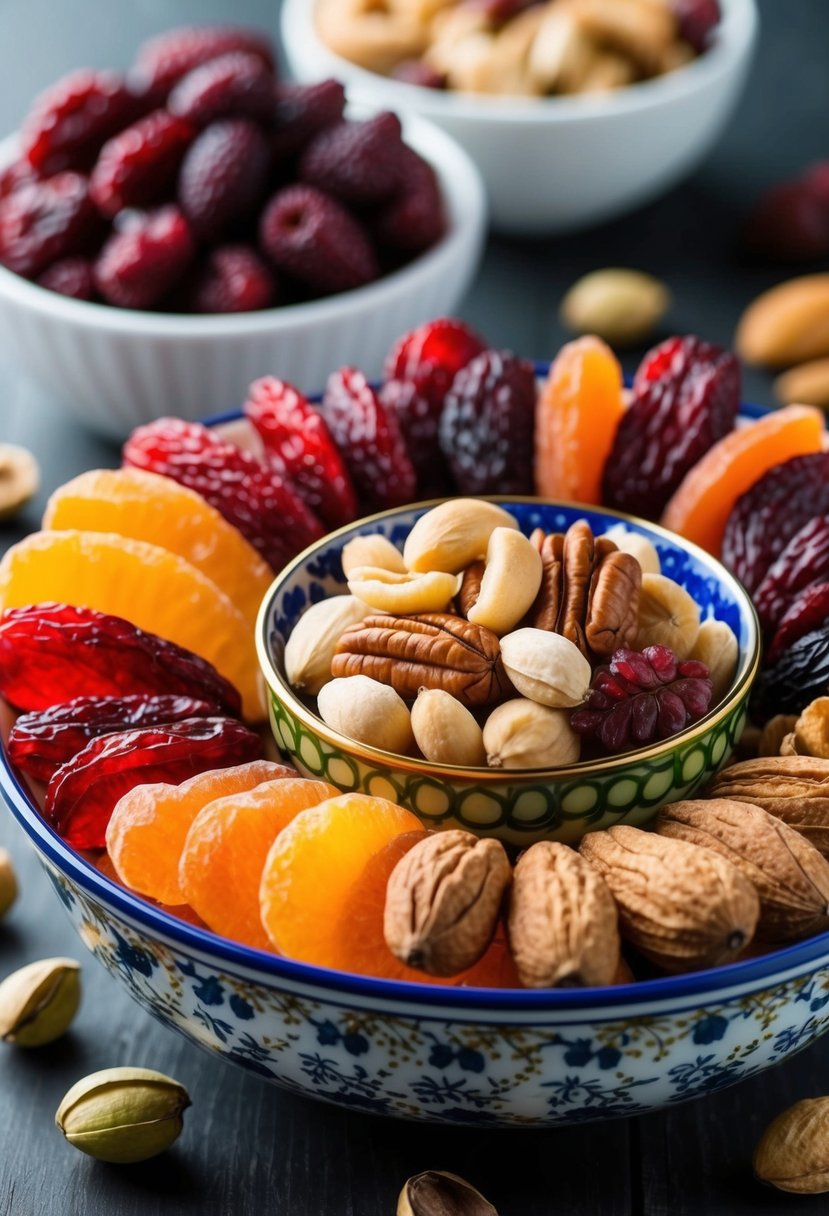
(767, 516)
(799, 674)
(486, 428)
(40, 742)
(415, 218)
(70, 277)
(641, 696)
(82, 793)
(44, 221)
(233, 85)
(69, 122)
(55, 652)
(162, 61)
(789, 223)
(805, 560)
(301, 111)
(418, 420)
(137, 168)
(249, 493)
(138, 266)
(420, 73)
(808, 610)
(297, 436)
(430, 356)
(697, 21)
(369, 439)
(232, 278)
(223, 176)
(314, 239)
(686, 395)
(356, 162)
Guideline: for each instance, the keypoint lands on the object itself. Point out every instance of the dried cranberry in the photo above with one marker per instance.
(231, 278)
(420, 73)
(355, 162)
(223, 176)
(686, 396)
(431, 356)
(799, 674)
(164, 59)
(805, 560)
(40, 742)
(18, 173)
(418, 420)
(498, 12)
(232, 85)
(415, 218)
(789, 223)
(301, 111)
(70, 277)
(137, 167)
(369, 439)
(807, 611)
(51, 653)
(697, 21)
(314, 239)
(139, 265)
(82, 793)
(44, 221)
(69, 122)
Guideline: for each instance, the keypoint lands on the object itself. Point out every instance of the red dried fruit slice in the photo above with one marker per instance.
(223, 176)
(53, 652)
(430, 356)
(82, 793)
(808, 611)
(686, 396)
(415, 218)
(301, 111)
(234, 84)
(40, 742)
(296, 434)
(70, 277)
(45, 220)
(139, 265)
(356, 162)
(137, 167)
(805, 560)
(419, 420)
(369, 439)
(799, 675)
(232, 278)
(768, 515)
(70, 120)
(164, 59)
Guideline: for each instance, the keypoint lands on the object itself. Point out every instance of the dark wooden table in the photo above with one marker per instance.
(247, 1148)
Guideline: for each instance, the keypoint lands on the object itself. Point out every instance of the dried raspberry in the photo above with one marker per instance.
(44, 221)
(697, 19)
(40, 742)
(808, 610)
(789, 223)
(486, 428)
(232, 278)
(805, 560)
(686, 395)
(415, 219)
(69, 122)
(798, 676)
(70, 277)
(297, 436)
(138, 266)
(55, 652)
(248, 492)
(223, 176)
(369, 438)
(418, 420)
(82, 793)
(18, 173)
(355, 162)
(419, 72)
(431, 356)
(315, 240)
(230, 86)
(767, 516)
(163, 60)
(301, 111)
(641, 696)
(137, 168)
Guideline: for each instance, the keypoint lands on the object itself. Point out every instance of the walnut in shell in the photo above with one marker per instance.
(792, 788)
(793, 1153)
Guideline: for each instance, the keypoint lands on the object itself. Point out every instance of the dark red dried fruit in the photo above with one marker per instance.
(40, 742)
(232, 278)
(137, 167)
(355, 162)
(415, 219)
(697, 21)
(686, 396)
(223, 176)
(138, 266)
(69, 122)
(805, 560)
(162, 61)
(296, 434)
(233, 85)
(420, 73)
(44, 221)
(816, 179)
(418, 420)
(486, 428)
(641, 696)
(301, 111)
(789, 223)
(498, 12)
(369, 439)
(312, 238)
(70, 277)
(82, 793)
(18, 173)
(430, 356)
(768, 515)
(249, 493)
(51, 653)
(799, 675)
(808, 610)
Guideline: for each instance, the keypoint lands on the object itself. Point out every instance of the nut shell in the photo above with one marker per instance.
(368, 712)
(123, 1115)
(794, 789)
(445, 731)
(8, 883)
(793, 1153)
(310, 648)
(546, 667)
(38, 1002)
(523, 734)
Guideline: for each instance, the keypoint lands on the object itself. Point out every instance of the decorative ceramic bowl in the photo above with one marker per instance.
(518, 807)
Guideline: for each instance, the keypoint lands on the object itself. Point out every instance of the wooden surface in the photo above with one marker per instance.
(247, 1148)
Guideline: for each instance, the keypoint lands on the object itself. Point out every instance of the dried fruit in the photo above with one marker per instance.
(807, 611)
(434, 1192)
(414, 219)
(454, 534)
(717, 649)
(369, 440)
(795, 789)
(301, 110)
(313, 641)
(237, 83)
(445, 731)
(355, 162)
(808, 384)
(545, 667)
(683, 907)
(562, 921)
(367, 711)
(19, 478)
(787, 324)
(668, 616)
(163, 60)
(798, 675)
(811, 729)
(523, 734)
(443, 901)
(223, 176)
(788, 223)
(8, 883)
(69, 121)
(371, 550)
(138, 266)
(73, 277)
(430, 356)
(621, 306)
(44, 221)
(697, 21)
(804, 561)
(418, 422)
(510, 582)
(792, 1154)
(137, 167)
(312, 238)
(123, 1115)
(38, 1002)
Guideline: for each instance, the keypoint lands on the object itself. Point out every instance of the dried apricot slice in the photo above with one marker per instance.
(226, 848)
(700, 508)
(578, 412)
(149, 825)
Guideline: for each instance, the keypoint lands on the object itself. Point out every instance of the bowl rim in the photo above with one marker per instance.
(736, 35)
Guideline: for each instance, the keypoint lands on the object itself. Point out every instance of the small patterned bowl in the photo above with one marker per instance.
(528, 805)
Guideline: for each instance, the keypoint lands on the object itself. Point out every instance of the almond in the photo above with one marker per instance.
(808, 384)
(788, 324)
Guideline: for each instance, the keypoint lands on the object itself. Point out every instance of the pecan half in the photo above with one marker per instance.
(545, 610)
(470, 588)
(434, 650)
(612, 603)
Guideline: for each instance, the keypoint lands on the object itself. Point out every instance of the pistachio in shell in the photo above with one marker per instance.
(8, 883)
(38, 1002)
(123, 1115)
(436, 1193)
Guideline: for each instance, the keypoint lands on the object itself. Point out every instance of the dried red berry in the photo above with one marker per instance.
(697, 21)
(44, 221)
(139, 265)
(805, 560)
(414, 219)
(314, 239)
(686, 396)
(356, 162)
(51, 653)
(486, 428)
(301, 111)
(233, 85)
(162, 61)
(137, 167)
(430, 356)
(223, 176)
(798, 676)
(418, 420)
(789, 223)
(232, 278)
(369, 439)
(40, 742)
(296, 434)
(69, 122)
(641, 696)
(18, 173)
(70, 277)
(420, 73)
(498, 12)
(807, 611)
(250, 493)
(816, 179)
(82, 793)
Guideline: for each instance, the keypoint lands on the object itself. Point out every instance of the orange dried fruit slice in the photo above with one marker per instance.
(149, 824)
(226, 849)
(145, 506)
(700, 507)
(576, 418)
(147, 585)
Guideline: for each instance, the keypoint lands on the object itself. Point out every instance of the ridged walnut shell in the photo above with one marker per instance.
(793, 1153)
(794, 789)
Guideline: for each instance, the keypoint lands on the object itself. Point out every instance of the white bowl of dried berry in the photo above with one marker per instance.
(291, 230)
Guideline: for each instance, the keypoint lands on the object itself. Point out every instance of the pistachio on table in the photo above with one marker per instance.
(38, 1002)
(8, 883)
(437, 1193)
(123, 1115)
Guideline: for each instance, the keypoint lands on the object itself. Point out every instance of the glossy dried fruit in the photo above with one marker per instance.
(137, 167)
(165, 58)
(231, 278)
(138, 266)
(43, 221)
(369, 440)
(301, 110)
(430, 356)
(72, 277)
(415, 218)
(799, 674)
(230, 85)
(316, 241)
(804, 561)
(788, 223)
(355, 162)
(70, 120)
(223, 176)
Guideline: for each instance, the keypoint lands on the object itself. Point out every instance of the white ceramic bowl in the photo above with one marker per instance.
(118, 368)
(563, 163)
